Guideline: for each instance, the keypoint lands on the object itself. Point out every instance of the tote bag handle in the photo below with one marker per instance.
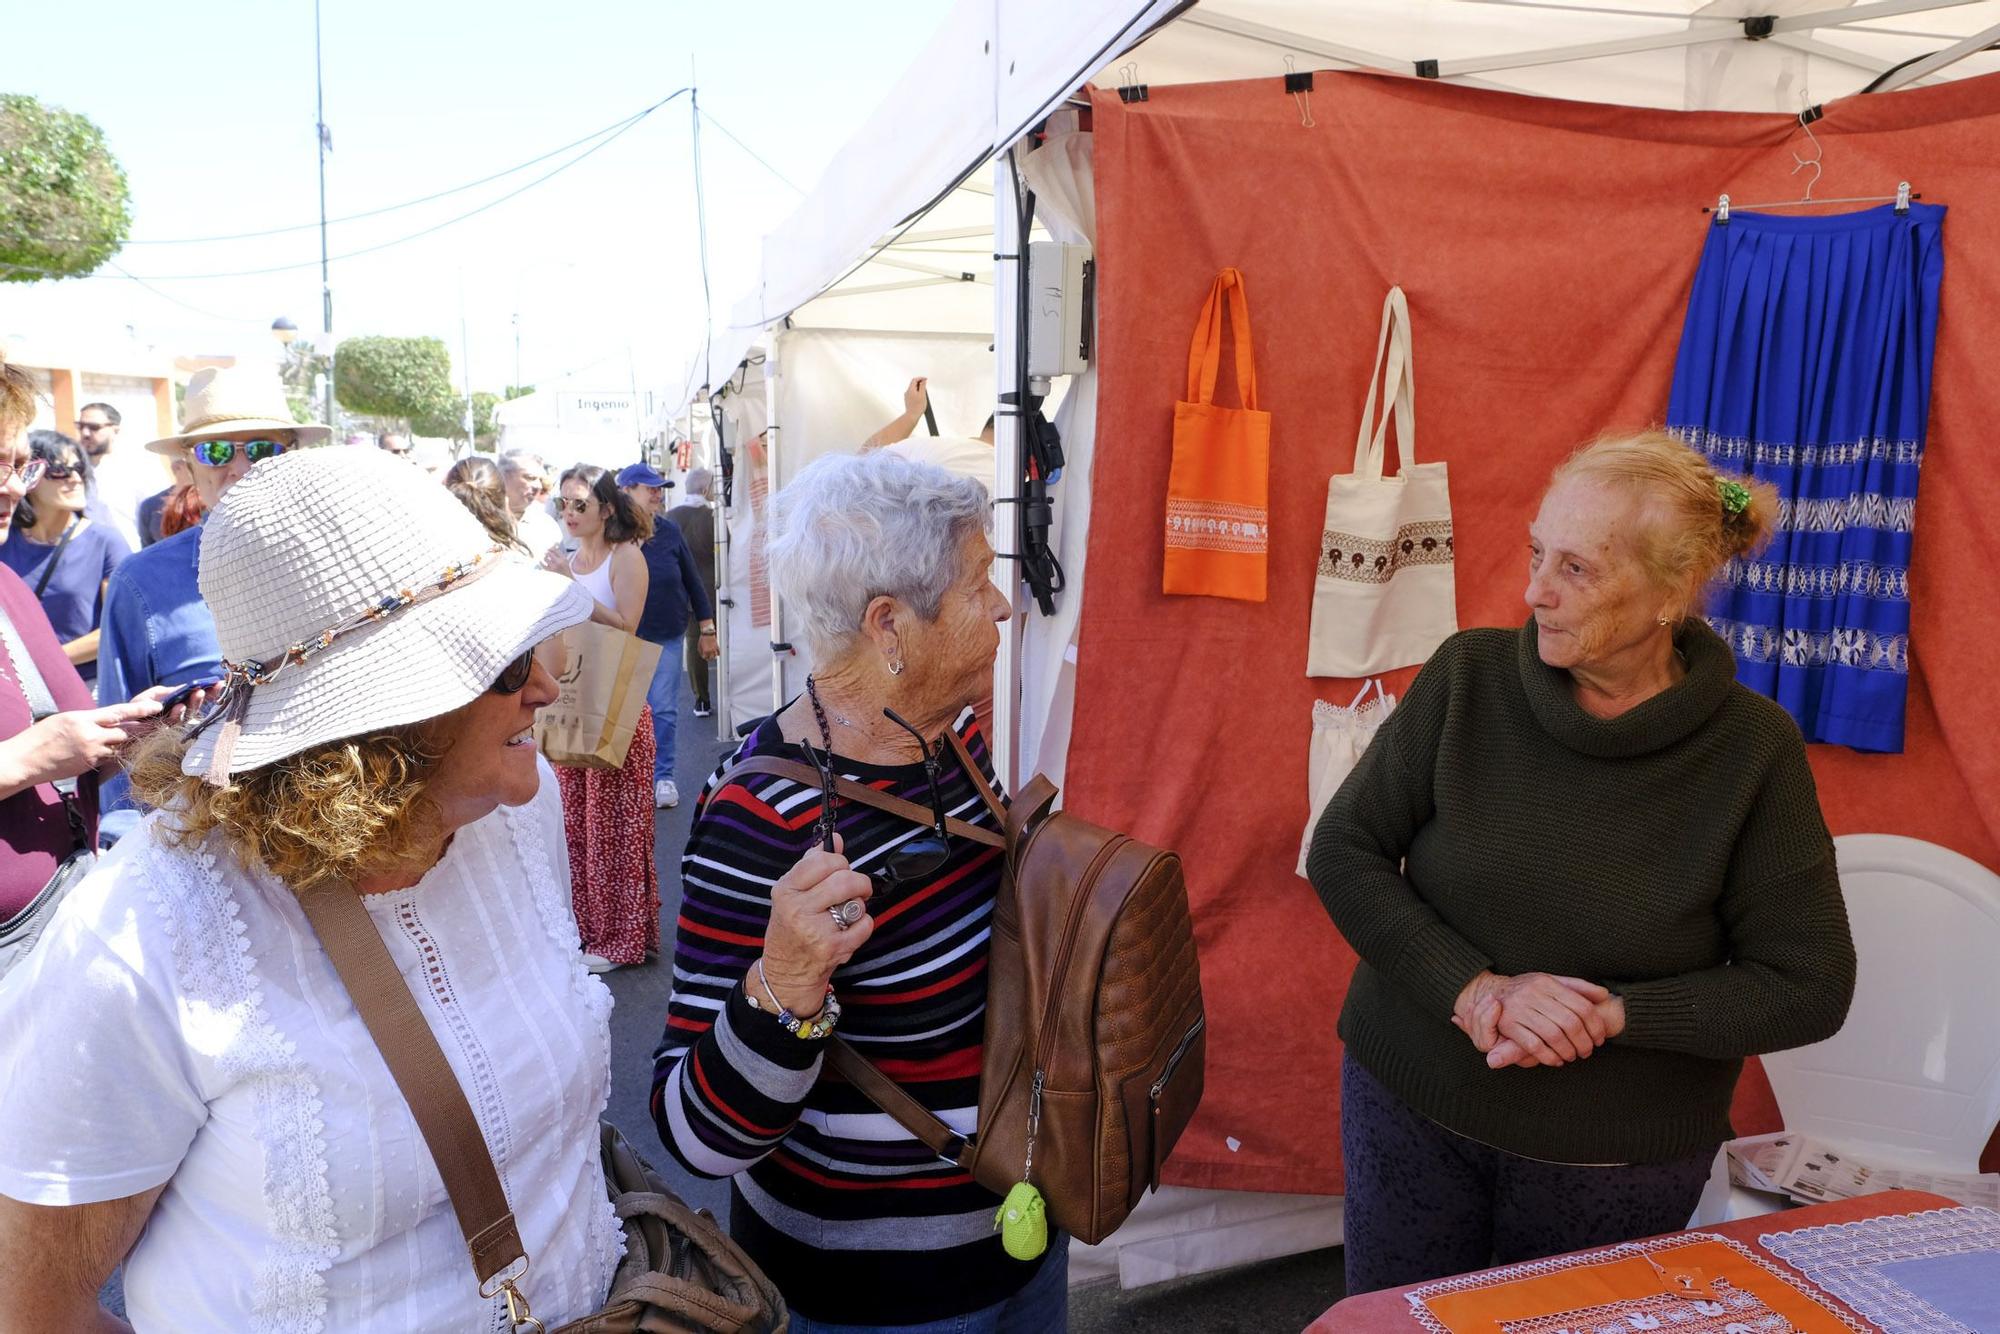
(1398, 390)
(1205, 352)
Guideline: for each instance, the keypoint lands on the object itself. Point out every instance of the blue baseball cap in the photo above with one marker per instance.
(641, 474)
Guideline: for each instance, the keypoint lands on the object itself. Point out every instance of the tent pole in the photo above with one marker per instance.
(1010, 274)
(1813, 46)
(774, 481)
(1663, 41)
(1290, 41)
(1931, 64)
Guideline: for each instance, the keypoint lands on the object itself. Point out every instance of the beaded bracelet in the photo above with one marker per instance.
(818, 1026)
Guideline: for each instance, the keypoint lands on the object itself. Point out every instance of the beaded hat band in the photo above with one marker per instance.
(240, 679)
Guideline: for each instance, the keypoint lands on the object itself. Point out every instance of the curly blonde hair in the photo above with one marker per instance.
(1688, 534)
(339, 811)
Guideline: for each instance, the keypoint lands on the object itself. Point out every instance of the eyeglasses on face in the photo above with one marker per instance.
(513, 678)
(218, 453)
(30, 473)
(91, 428)
(575, 506)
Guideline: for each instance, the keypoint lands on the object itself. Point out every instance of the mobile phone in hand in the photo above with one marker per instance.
(186, 692)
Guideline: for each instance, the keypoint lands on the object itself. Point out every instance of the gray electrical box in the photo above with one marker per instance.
(1060, 283)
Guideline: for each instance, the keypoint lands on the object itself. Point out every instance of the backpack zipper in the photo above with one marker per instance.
(1173, 1062)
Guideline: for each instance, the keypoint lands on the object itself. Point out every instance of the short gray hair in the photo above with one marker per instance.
(522, 460)
(851, 528)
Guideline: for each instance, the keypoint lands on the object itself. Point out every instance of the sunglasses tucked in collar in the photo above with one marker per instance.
(915, 859)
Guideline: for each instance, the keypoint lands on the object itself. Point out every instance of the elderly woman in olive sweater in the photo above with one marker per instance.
(1586, 874)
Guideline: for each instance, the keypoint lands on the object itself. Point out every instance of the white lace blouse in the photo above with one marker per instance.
(179, 1024)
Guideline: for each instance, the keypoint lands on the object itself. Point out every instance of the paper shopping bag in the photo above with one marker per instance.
(1385, 595)
(1218, 489)
(605, 673)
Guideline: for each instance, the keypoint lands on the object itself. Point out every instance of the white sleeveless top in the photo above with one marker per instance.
(179, 1023)
(598, 582)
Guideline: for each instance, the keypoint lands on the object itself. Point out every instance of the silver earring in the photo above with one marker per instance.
(1665, 621)
(895, 666)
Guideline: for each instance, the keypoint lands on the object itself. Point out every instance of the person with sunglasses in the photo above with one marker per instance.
(121, 478)
(157, 631)
(60, 552)
(187, 1086)
(804, 913)
(610, 811)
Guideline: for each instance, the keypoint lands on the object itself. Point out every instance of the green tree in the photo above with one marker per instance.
(515, 391)
(64, 208)
(406, 380)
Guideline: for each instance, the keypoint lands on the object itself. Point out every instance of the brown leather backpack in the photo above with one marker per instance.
(1095, 1036)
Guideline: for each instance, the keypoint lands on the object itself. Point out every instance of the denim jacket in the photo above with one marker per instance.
(156, 630)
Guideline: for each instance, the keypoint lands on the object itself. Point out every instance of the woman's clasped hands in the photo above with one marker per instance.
(1533, 1019)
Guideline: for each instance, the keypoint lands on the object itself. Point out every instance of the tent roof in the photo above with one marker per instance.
(993, 71)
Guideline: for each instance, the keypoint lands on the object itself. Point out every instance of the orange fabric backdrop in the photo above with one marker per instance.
(1547, 249)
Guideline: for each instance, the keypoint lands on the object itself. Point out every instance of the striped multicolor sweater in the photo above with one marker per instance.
(852, 1218)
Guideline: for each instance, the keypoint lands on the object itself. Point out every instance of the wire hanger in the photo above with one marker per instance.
(1901, 198)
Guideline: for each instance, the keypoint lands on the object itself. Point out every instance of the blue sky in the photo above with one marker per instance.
(209, 107)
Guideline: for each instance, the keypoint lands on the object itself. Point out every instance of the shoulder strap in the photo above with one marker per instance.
(887, 1094)
(868, 796)
(419, 1067)
(49, 570)
(986, 793)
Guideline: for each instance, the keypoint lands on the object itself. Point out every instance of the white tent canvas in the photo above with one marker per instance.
(994, 71)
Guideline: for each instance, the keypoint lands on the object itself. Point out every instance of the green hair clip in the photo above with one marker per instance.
(1735, 496)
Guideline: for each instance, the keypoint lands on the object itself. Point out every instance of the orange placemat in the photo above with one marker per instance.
(1696, 1283)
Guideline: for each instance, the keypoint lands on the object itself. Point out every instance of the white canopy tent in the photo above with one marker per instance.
(919, 170)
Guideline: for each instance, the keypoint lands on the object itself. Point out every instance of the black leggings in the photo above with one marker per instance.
(1424, 1203)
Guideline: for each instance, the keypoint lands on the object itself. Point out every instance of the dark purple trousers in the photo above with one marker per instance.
(1424, 1203)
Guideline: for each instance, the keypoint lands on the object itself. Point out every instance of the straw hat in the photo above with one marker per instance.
(235, 398)
(351, 593)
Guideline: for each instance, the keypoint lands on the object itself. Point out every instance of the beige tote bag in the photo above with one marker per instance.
(1339, 736)
(603, 686)
(1385, 596)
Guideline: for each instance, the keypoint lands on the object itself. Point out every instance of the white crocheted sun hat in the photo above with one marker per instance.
(351, 593)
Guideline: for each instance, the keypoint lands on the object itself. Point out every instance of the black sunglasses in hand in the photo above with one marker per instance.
(915, 859)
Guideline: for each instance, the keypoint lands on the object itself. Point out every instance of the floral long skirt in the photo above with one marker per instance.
(608, 824)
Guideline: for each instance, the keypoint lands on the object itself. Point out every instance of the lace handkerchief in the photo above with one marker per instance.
(1628, 1289)
(1936, 1272)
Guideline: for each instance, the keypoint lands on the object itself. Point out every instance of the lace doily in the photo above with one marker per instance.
(1848, 1260)
(1732, 1311)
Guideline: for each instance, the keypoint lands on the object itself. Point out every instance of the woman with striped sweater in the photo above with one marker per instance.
(885, 562)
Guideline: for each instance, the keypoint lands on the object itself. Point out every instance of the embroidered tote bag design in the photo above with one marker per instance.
(1385, 596)
(1218, 490)
(1338, 738)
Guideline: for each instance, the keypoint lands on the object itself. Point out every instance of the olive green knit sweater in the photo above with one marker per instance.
(1675, 854)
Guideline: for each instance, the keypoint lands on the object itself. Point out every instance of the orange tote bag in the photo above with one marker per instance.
(1218, 490)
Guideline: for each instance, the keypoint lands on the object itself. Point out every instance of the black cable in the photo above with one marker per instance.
(752, 152)
(1901, 65)
(618, 126)
(401, 240)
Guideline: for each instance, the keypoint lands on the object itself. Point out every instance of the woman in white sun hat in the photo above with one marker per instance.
(186, 1086)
